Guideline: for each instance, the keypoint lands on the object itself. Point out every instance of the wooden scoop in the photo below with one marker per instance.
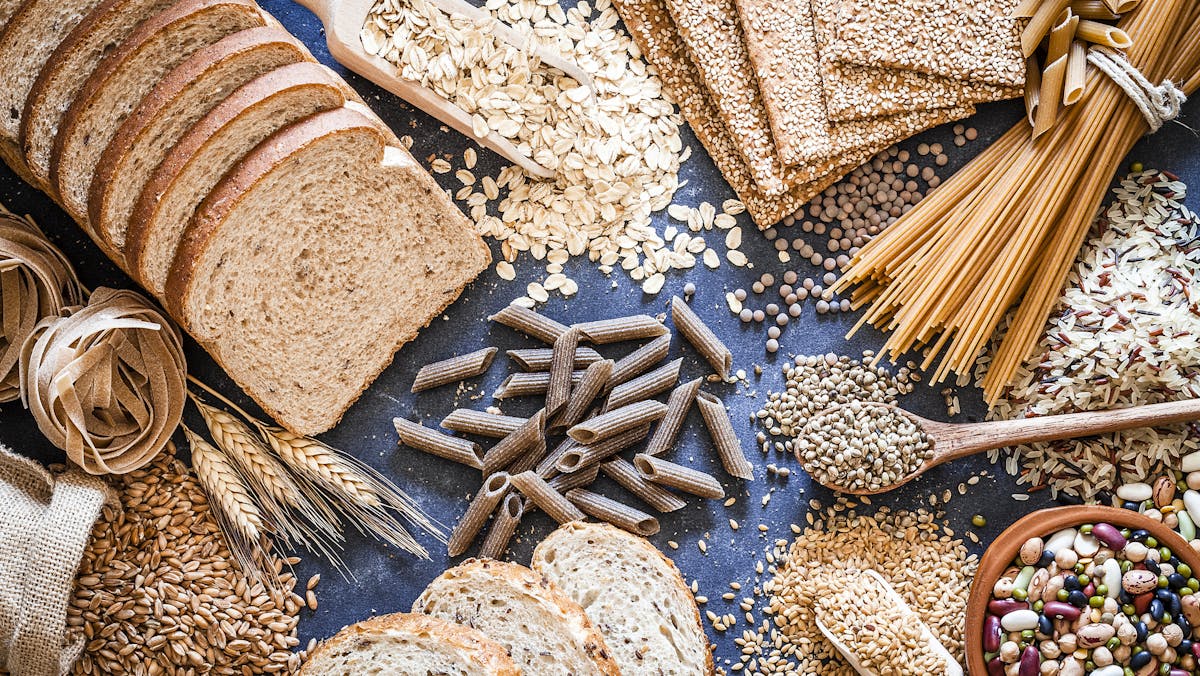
(953, 668)
(344, 20)
(950, 441)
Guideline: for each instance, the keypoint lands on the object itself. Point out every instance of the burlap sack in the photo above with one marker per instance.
(45, 522)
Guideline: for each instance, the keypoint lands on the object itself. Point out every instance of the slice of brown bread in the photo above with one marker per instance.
(184, 96)
(632, 593)
(209, 149)
(320, 254)
(545, 632)
(407, 644)
(7, 9)
(66, 71)
(123, 78)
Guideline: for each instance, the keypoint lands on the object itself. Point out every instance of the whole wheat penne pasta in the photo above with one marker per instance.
(1119, 7)
(636, 327)
(720, 428)
(545, 468)
(594, 380)
(640, 360)
(1076, 73)
(546, 498)
(645, 386)
(416, 435)
(528, 384)
(562, 365)
(1061, 35)
(1050, 98)
(1096, 10)
(1040, 23)
(530, 459)
(530, 323)
(618, 420)
(454, 369)
(538, 358)
(618, 514)
(1033, 87)
(482, 505)
(1103, 34)
(696, 332)
(524, 439)
(1026, 9)
(482, 423)
(625, 474)
(583, 456)
(678, 405)
(565, 482)
(685, 479)
(508, 517)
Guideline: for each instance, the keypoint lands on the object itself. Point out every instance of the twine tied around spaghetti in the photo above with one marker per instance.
(1158, 104)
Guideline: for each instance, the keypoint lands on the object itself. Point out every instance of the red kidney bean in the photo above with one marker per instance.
(1141, 602)
(1003, 607)
(993, 634)
(995, 667)
(1058, 609)
(1030, 662)
(1090, 590)
(1109, 535)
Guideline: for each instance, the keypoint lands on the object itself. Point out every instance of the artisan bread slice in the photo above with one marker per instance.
(632, 593)
(124, 78)
(66, 71)
(187, 94)
(409, 645)
(544, 631)
(321, 252)
(207, 152)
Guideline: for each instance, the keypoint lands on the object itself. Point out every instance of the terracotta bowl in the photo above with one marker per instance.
(1043, 523)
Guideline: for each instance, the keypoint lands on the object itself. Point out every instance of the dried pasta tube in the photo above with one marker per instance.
(1076, 73)
(696, 332)
(546, 498)
(454, 369)
(523, 440)
(1050, 97)
(565, 482)
(528, 384)
(593, 382)
(678, 405)
(482, 505)
(640, 360)
(618, 514)
(1096, 10)
(720, 427)
(416, 435)
(646, 385)
(503, 526)
(618, 420)
(1103, 34)
(1033, 87)
(580, 457)
(685, 479)
(530, 459)
(625, 474)
(1119, 7)
(1040, 23)
(545, 468)
(530, 323)
(1061, 36)
(637, 327)
(538, 358)
(562, 365)
(482, 423)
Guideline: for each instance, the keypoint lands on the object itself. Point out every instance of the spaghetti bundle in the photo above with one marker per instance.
(1006, 228)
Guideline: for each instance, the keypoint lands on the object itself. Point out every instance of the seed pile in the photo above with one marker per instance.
(861, 447)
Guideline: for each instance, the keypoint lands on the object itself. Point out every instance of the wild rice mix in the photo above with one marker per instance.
(1127, 332)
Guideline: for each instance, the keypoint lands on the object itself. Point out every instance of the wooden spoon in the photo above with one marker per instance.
(950, 441)
(344, 20)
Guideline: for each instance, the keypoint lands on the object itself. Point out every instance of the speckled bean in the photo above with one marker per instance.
(1020, 620)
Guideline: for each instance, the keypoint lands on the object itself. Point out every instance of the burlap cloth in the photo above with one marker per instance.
(45, 522)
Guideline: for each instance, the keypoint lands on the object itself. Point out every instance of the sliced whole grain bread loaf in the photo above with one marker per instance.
(632, 593)
(181, 99)
(543, 631)
(209, 149)
(322, 252)
(124, 78)
(407, 644)
(66, 71)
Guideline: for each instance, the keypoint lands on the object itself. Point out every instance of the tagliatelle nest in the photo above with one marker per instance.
(106, 381)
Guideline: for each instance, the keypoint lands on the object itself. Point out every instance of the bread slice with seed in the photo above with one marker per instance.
(210, 149)
(322, 252)
(169, 110)
(407, 644)
(544, 631)
(632, 593)
(124, 78)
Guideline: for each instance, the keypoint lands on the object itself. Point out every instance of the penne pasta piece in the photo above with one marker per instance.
(720, 428)
(645, 386)
(1096, 10)
(545, 468)
(618, 514)
(1119, 7)
(565, 482)
(1076, 76)
(618, 420)
(530, 459)
(696, 332)
(685, 479)
(640, 360)
(546, 498)
(482, 423)
(1103, 34)
(538, 358)
(1050, 96)
(523, 440)
(482, 505)
(582, 456)
(1027, 8)
(530, 323)
(454, 369)
(562, 365)
(625, 474)
(678, 405)
(528, 384)
(1033, 85)
(508, 517)
(1061, 36)
(416, 435)
(589, 387)
(1039, 25)
(637, 327)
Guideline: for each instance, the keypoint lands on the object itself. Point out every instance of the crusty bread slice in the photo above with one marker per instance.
(184, 96)
(633, 594)
(544, 631)
(321, 252)
(406, 644)
(124, 78)
(207, 152)
(65, 72)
